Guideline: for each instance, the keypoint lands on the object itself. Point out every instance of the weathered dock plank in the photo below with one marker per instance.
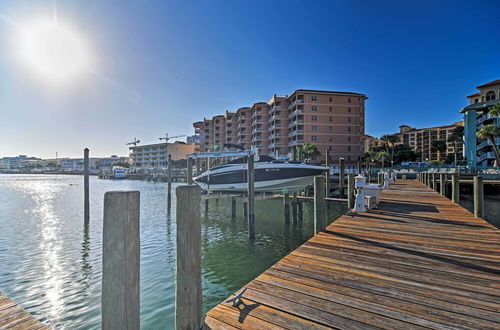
(419, 261)
(13, 316)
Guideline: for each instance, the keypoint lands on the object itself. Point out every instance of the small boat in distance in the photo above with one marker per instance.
(271, 175)
(119, 172)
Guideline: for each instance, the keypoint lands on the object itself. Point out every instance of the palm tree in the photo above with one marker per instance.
(456, 136)
(439, 147)
(489, 132)
(310, 151)
(390, 141)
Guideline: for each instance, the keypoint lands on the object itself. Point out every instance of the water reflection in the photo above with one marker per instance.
(86, 266)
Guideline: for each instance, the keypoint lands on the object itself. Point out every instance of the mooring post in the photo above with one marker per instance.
(251, 197)
(286, 207)
(442, 184)
(350, 191)
(188, 294)
(198, 167)
(478, 197)
(294, 207)
(341, 176)
(319, 204)
(245, 208)
(455, 188)
(327, 173)
(120, 261)
(189, 171)
(86, 192)
(169, 181)
(233, 208)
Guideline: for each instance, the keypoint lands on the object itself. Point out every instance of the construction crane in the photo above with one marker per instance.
(135, 142)
(166, 138)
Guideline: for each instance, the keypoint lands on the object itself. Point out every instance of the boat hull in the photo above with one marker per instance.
(269, 177)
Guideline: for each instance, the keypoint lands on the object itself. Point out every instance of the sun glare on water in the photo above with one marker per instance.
(54, 51)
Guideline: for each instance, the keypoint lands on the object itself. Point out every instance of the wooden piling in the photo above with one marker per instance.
(327, 173)
(198, 167)
(189, 171)
(86, 190)
(294, 207)
(341, 177)
(245, 208)
(188, 292)
(434, 181)
(286, 207)
(251, 197)
(120, 261)
(233, 208)
(169, 181)
(350, 191)
(478, 197)
(442, 184)
(455, 188)
(319, 204)
(206, 206)
(300, 210)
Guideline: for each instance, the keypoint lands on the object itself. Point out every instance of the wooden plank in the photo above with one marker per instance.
(419, 261)
(13, 316)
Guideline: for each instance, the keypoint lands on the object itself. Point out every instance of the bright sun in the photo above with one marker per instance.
(54, 51)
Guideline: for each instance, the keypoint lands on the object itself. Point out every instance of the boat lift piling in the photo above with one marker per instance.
(86, 194)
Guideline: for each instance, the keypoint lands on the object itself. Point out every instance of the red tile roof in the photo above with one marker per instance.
(494, 82)
(475, 94)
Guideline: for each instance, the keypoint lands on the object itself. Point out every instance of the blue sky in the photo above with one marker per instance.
(160, 65)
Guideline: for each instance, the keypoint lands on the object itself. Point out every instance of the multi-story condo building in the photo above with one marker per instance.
(156, 155)
(421, 140)
(244, 127)
(208, 141)
(219, 136)
(199, 136)
(231, 128)
(333, 121)
(476, 115)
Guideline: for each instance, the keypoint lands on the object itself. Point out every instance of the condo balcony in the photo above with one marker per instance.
(294, 103)
(257, 129)
(274, 108)
(487, 155)
(295, 113)
(295, 142)
(296, 122)
(297, 131)
(486, 143)
(274, 135)
(485, 117)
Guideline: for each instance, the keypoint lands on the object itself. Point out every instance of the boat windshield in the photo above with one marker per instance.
(243, 160)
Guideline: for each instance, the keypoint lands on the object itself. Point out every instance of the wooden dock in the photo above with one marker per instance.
(12, 316)
(419, 261)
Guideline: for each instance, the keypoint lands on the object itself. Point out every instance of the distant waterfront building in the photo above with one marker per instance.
(21, 161)
(370, 141)
(480, 152)
(95, 164)
(421, 139)
(333, 121)
(156, 155)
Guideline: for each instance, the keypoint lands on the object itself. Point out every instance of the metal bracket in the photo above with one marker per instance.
(236, 301)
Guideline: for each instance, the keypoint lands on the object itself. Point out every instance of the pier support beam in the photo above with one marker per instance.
(341, 177)
(86, 191)
(120, 261)
(319, 204)
(478, 197)
(286, 207)
(189, 171)
(327, 174)
(233, 208)
(251, 197)
(188, 293)
(294, 207)
(350, 191)
(442, 184)
(169, 182)
(455, 188)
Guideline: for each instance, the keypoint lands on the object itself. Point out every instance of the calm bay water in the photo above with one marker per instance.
(51, 264)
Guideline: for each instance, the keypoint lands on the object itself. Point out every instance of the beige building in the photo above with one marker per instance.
(156, 155)
(370, 141)
(333, 121)
(420, 140)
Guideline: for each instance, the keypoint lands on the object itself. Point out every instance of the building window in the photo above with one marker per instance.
(349, 119)
(349, 100)
(314, 138)
(330, 128)
(349, 148)
(348, 129)
(330, 109)
(330, 118)
(314, 98)
(314, 128)
(330, 148)
(348, 139)
(348, 109)
(314, 118)
(330, 99)
(476, 100)
(314, 108)
(490, 96)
